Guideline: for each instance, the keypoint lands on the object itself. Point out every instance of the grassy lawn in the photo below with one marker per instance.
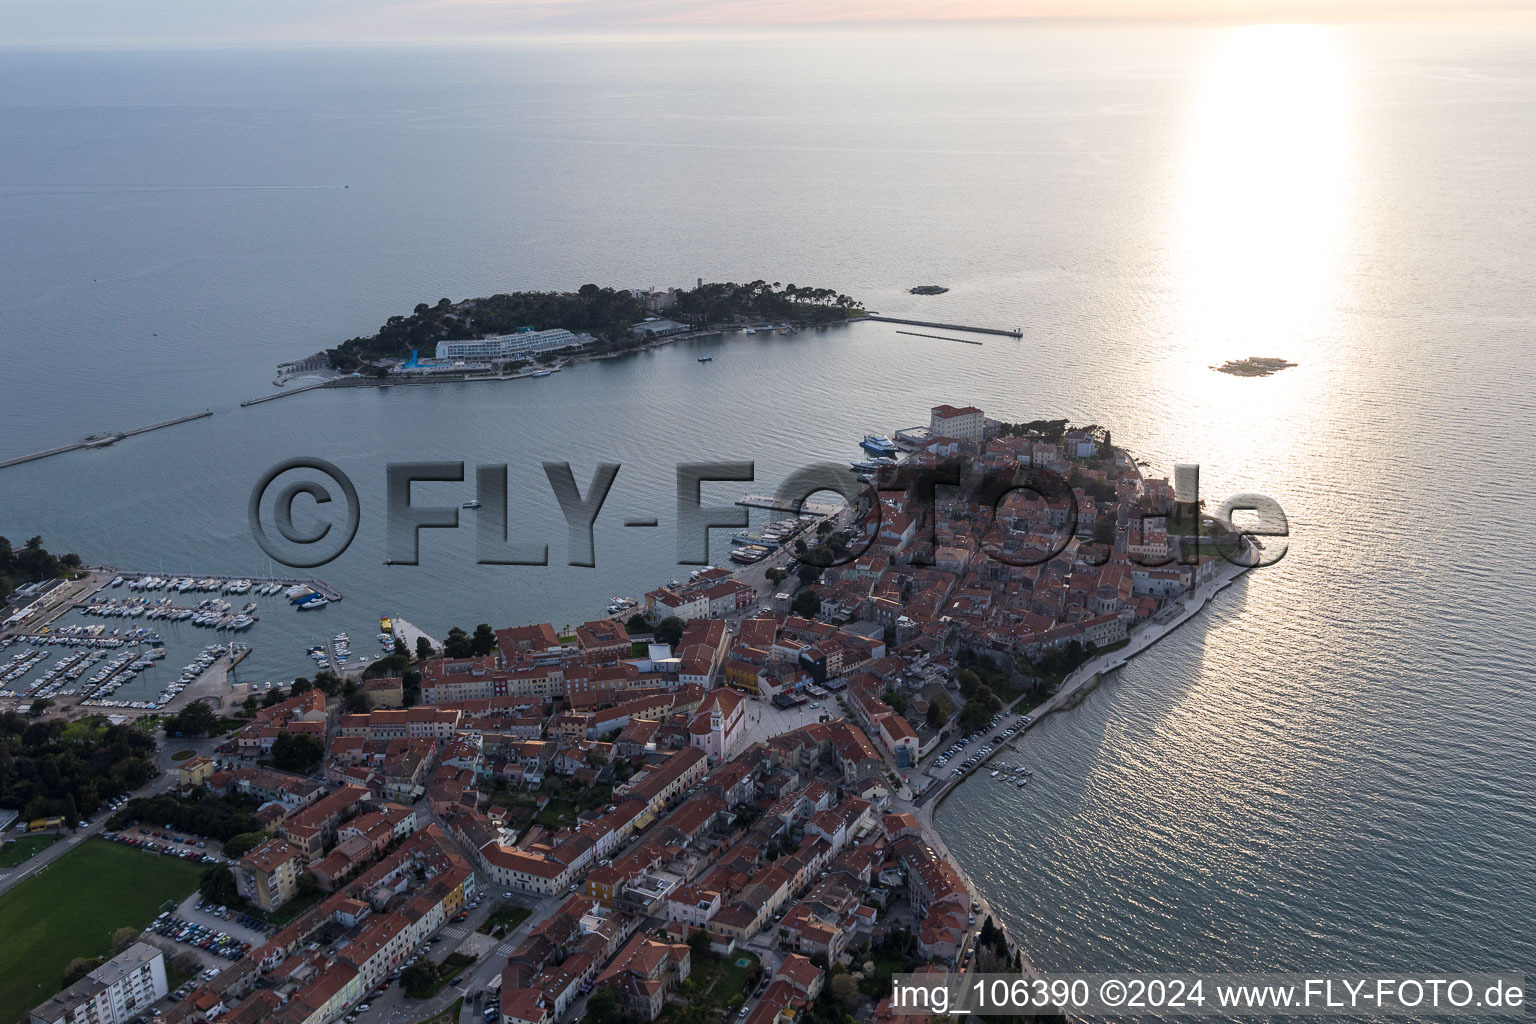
(72, 907)
(452, 966)
(183, 755)
(503, 919)
(718, 979)
(556, 813)
(23, 847)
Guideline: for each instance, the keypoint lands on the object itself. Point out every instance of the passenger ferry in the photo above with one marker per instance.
(878, 444)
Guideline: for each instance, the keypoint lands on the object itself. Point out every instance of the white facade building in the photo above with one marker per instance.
(506, 346)
(963, 424)
(117, 991)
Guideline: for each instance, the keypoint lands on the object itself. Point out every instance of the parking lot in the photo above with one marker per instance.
(245, 929)
(214, 942)
(967, 752)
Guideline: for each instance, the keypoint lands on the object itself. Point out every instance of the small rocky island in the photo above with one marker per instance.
(928, 289)
(1253, 366)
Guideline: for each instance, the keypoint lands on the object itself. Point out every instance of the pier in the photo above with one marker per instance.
(810, 508)
(284, 394)
(1017, 332)
(111, 437)
(324, 589)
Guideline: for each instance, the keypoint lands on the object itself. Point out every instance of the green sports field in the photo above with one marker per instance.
(71, 908)
(20, 849)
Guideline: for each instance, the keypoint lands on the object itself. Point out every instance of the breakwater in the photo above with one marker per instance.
(1017, 332)
(939, 337)
(102, 440)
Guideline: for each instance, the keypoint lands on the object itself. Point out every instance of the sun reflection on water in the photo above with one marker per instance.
(1261, 219)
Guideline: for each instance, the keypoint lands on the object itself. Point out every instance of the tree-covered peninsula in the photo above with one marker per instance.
(605, 313)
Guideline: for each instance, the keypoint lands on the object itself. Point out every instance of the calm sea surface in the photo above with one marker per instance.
(1333, 768)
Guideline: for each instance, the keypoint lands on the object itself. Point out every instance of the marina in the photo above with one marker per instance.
(108, 643)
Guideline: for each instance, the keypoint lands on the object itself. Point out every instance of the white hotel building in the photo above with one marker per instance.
(507, 346)
(120, 989)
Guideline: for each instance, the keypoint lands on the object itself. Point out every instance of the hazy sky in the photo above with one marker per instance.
(108, 22)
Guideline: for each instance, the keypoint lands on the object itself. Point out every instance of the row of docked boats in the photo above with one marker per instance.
(183, 584)
(759, 545)
(64, 677)
(101, 696)
(212, 613)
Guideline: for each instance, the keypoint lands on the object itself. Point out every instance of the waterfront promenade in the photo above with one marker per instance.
(1089, 674)
(1076, 686)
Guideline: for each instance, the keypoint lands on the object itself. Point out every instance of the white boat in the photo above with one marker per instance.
(318, 602)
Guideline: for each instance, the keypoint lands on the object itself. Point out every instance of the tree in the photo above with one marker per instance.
(807, 603)
(400, 649)
(297, 752)
(423, 648)
(968, 681)
(844, 988)
(243, 843)
(808, 573)
(637, 624)
(978, 711)
(196, 719)
(669, 630)
(603, 1007)
(217, 885)
(355, 700)
(124, 937)
(457, 644)
(776, 575)
(79, 967)
(699, 942)
(484, 640)
(39, 706)
(1104, 528)
(418, 979)
(897, 700)
(937, 713)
